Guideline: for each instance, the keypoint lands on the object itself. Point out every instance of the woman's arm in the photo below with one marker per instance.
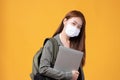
(45, 62)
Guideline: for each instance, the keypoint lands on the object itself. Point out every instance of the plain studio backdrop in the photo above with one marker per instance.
(24, 24)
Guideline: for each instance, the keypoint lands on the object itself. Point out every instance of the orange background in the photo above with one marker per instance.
(24, 24)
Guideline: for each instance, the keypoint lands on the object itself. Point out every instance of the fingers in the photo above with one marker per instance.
(75, 74)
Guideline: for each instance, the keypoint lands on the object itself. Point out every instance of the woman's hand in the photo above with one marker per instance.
(75, 75)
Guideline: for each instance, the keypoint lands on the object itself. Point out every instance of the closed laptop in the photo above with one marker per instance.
(68, 59)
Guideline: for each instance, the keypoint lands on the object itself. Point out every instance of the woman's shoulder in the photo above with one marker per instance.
(58, 39)
(48, 43)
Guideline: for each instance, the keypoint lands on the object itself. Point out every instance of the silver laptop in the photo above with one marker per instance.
(68, 59)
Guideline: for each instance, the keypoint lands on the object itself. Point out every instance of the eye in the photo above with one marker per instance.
(79, 27)
(73, 23)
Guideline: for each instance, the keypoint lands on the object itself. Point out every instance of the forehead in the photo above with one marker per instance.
(75, 19)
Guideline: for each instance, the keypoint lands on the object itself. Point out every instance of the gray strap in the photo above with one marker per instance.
(55, 50)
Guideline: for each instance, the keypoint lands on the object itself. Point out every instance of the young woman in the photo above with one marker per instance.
(71, 34)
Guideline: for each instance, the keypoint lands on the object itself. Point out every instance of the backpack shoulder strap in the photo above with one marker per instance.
(55, 50)
(45, 41)
(37, 56)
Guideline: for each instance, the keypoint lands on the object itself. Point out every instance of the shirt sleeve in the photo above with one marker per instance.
(45, 62)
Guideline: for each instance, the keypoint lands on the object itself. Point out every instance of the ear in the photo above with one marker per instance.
(64, 21)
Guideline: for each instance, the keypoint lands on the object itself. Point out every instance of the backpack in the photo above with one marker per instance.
(37, 57)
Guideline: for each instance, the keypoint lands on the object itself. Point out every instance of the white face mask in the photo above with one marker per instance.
(72, 31)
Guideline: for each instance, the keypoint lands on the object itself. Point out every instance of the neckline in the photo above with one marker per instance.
(60, 40)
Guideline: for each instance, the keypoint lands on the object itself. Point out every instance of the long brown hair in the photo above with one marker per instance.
(78, 42)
